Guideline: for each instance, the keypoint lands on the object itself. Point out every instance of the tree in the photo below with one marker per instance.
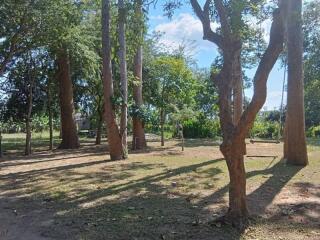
(31, 78)
(296, 147)
(26, 97)
(117, 152)
(311, 30)
(206, 97)
(69, 133)
(123, 75)
(229, 39)
(178, 117)
(138, 138)
(64, 39)
(171, 85)
(20, 29)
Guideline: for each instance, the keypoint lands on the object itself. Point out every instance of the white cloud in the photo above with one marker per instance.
(156, 17)
(184, 28)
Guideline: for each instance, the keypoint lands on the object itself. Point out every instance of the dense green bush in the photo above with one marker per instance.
(201, 129)
(40, 123)
(265, 129)
(314, 131)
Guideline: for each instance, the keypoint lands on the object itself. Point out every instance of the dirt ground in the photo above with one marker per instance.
(161, 193)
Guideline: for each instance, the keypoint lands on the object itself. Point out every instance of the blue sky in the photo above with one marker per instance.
(184, 26)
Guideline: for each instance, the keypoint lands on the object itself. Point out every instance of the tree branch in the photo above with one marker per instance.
(225, 26)
(275, 47)
(203, 15)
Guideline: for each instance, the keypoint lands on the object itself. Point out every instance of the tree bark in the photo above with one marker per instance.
(182, 139)
(117, 152)
(49, 95)
(162, 121)
(237, 90)
(29, 112)
(238, 211)
(296, 145)
(123, 76)
(139, 138)
(69, 134)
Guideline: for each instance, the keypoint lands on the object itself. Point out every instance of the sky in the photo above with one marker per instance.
(185, 26)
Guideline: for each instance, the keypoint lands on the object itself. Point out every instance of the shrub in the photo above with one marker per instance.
(265, 129)
(201, 129)
(314, 131)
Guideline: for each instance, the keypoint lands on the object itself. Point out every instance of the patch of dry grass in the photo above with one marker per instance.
(162, 193)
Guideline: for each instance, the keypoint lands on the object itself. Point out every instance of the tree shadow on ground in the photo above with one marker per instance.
(260, 199)
(143, 208)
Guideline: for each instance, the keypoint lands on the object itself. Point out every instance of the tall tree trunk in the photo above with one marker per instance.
(29, 112)
(123, 76)
(297, 148)
(138, 138)
(162, 121)
(49, 94)
(238, 211)
(117, 152)
(233, 147)
(69, 134)
(182, 138)
(237, 90)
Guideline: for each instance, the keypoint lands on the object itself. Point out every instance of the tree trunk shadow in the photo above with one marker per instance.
(262, 197)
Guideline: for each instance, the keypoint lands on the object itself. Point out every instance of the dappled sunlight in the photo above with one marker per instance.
(153, 193)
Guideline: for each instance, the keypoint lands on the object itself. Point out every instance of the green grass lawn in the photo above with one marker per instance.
(15, 143)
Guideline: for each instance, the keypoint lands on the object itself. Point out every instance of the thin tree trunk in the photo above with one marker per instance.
(123, 75)
(99, 133)
(29, 112)
(297, 147)
(182, 139)
(116, 149)
(139, 138)
(162, 121)
(27, 150)
(69, 134)
(49, 93)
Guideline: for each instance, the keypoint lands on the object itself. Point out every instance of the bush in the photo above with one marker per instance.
(201, 129)
(314, 131)
(40, 123)
(265, 130)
